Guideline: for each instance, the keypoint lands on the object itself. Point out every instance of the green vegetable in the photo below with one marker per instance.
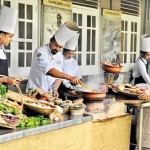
(3, 90)
(14, 111)
(31, 122)
(31, 91)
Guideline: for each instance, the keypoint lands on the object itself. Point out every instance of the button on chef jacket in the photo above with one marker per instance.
(70, 66)
(42, 62)
(140, 70)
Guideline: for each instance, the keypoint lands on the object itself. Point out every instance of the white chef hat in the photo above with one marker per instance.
(72, 43)
(145, 43)
(8, 18)
(65, 32)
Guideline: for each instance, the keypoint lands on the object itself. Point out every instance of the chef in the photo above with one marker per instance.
(47, 60)
(8, 18)
(70, 65)
(140, 70)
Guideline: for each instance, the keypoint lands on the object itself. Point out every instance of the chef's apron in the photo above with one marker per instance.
(140, 78)
(4, 67)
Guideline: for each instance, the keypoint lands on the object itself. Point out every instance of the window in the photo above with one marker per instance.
(20, 51)
(87, 52)
(130, 39)
(25, 22)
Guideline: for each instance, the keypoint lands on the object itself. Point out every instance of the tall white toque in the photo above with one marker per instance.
(145, 43)
(8, 18)
(72, 43)
(66, 32)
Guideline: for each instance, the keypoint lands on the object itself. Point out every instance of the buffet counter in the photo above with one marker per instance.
(8, 134)
(73, 133)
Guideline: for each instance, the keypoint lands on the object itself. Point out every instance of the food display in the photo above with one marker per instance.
(39, 93)
(34, 121)
(127, 89)
(65, 105)
(39, 106)
(2, 91)
(77, 109)
(10, 114)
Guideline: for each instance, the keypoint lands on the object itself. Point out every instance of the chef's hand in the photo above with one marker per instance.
(11, 80)
(18, 79)
(75, 80)
(55, 93)
(144, 94)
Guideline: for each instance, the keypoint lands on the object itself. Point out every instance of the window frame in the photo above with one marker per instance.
(88, 69)
(127, 45)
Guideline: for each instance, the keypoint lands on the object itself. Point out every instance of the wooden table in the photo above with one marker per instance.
(140, 104)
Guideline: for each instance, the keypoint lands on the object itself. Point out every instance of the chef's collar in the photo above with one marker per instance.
(50, 51)
(65, 57)
(145, 61)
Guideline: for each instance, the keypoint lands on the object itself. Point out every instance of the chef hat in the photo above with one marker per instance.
(8, 18)
(65, 32)
(145, 43)
(72, 43)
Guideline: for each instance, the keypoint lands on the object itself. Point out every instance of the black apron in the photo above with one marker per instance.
(140, 78)
(3, 67)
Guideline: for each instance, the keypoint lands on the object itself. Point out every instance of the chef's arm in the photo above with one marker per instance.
(56, 86)
(55, 73)
(145, 75)
(8, 80)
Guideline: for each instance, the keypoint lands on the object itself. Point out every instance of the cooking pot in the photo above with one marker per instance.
(88, 94)
(111, 68)
(93, 95)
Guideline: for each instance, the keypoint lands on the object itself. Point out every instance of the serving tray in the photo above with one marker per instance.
(129, 94)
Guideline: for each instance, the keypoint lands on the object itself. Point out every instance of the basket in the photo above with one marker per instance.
(9, 121)
(40, 110)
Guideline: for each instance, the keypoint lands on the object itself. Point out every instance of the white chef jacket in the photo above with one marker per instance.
(70, 66)
(2, 54)
(140, 70)
(42, 62)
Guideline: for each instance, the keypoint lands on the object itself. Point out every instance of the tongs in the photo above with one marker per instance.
(87, 87)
